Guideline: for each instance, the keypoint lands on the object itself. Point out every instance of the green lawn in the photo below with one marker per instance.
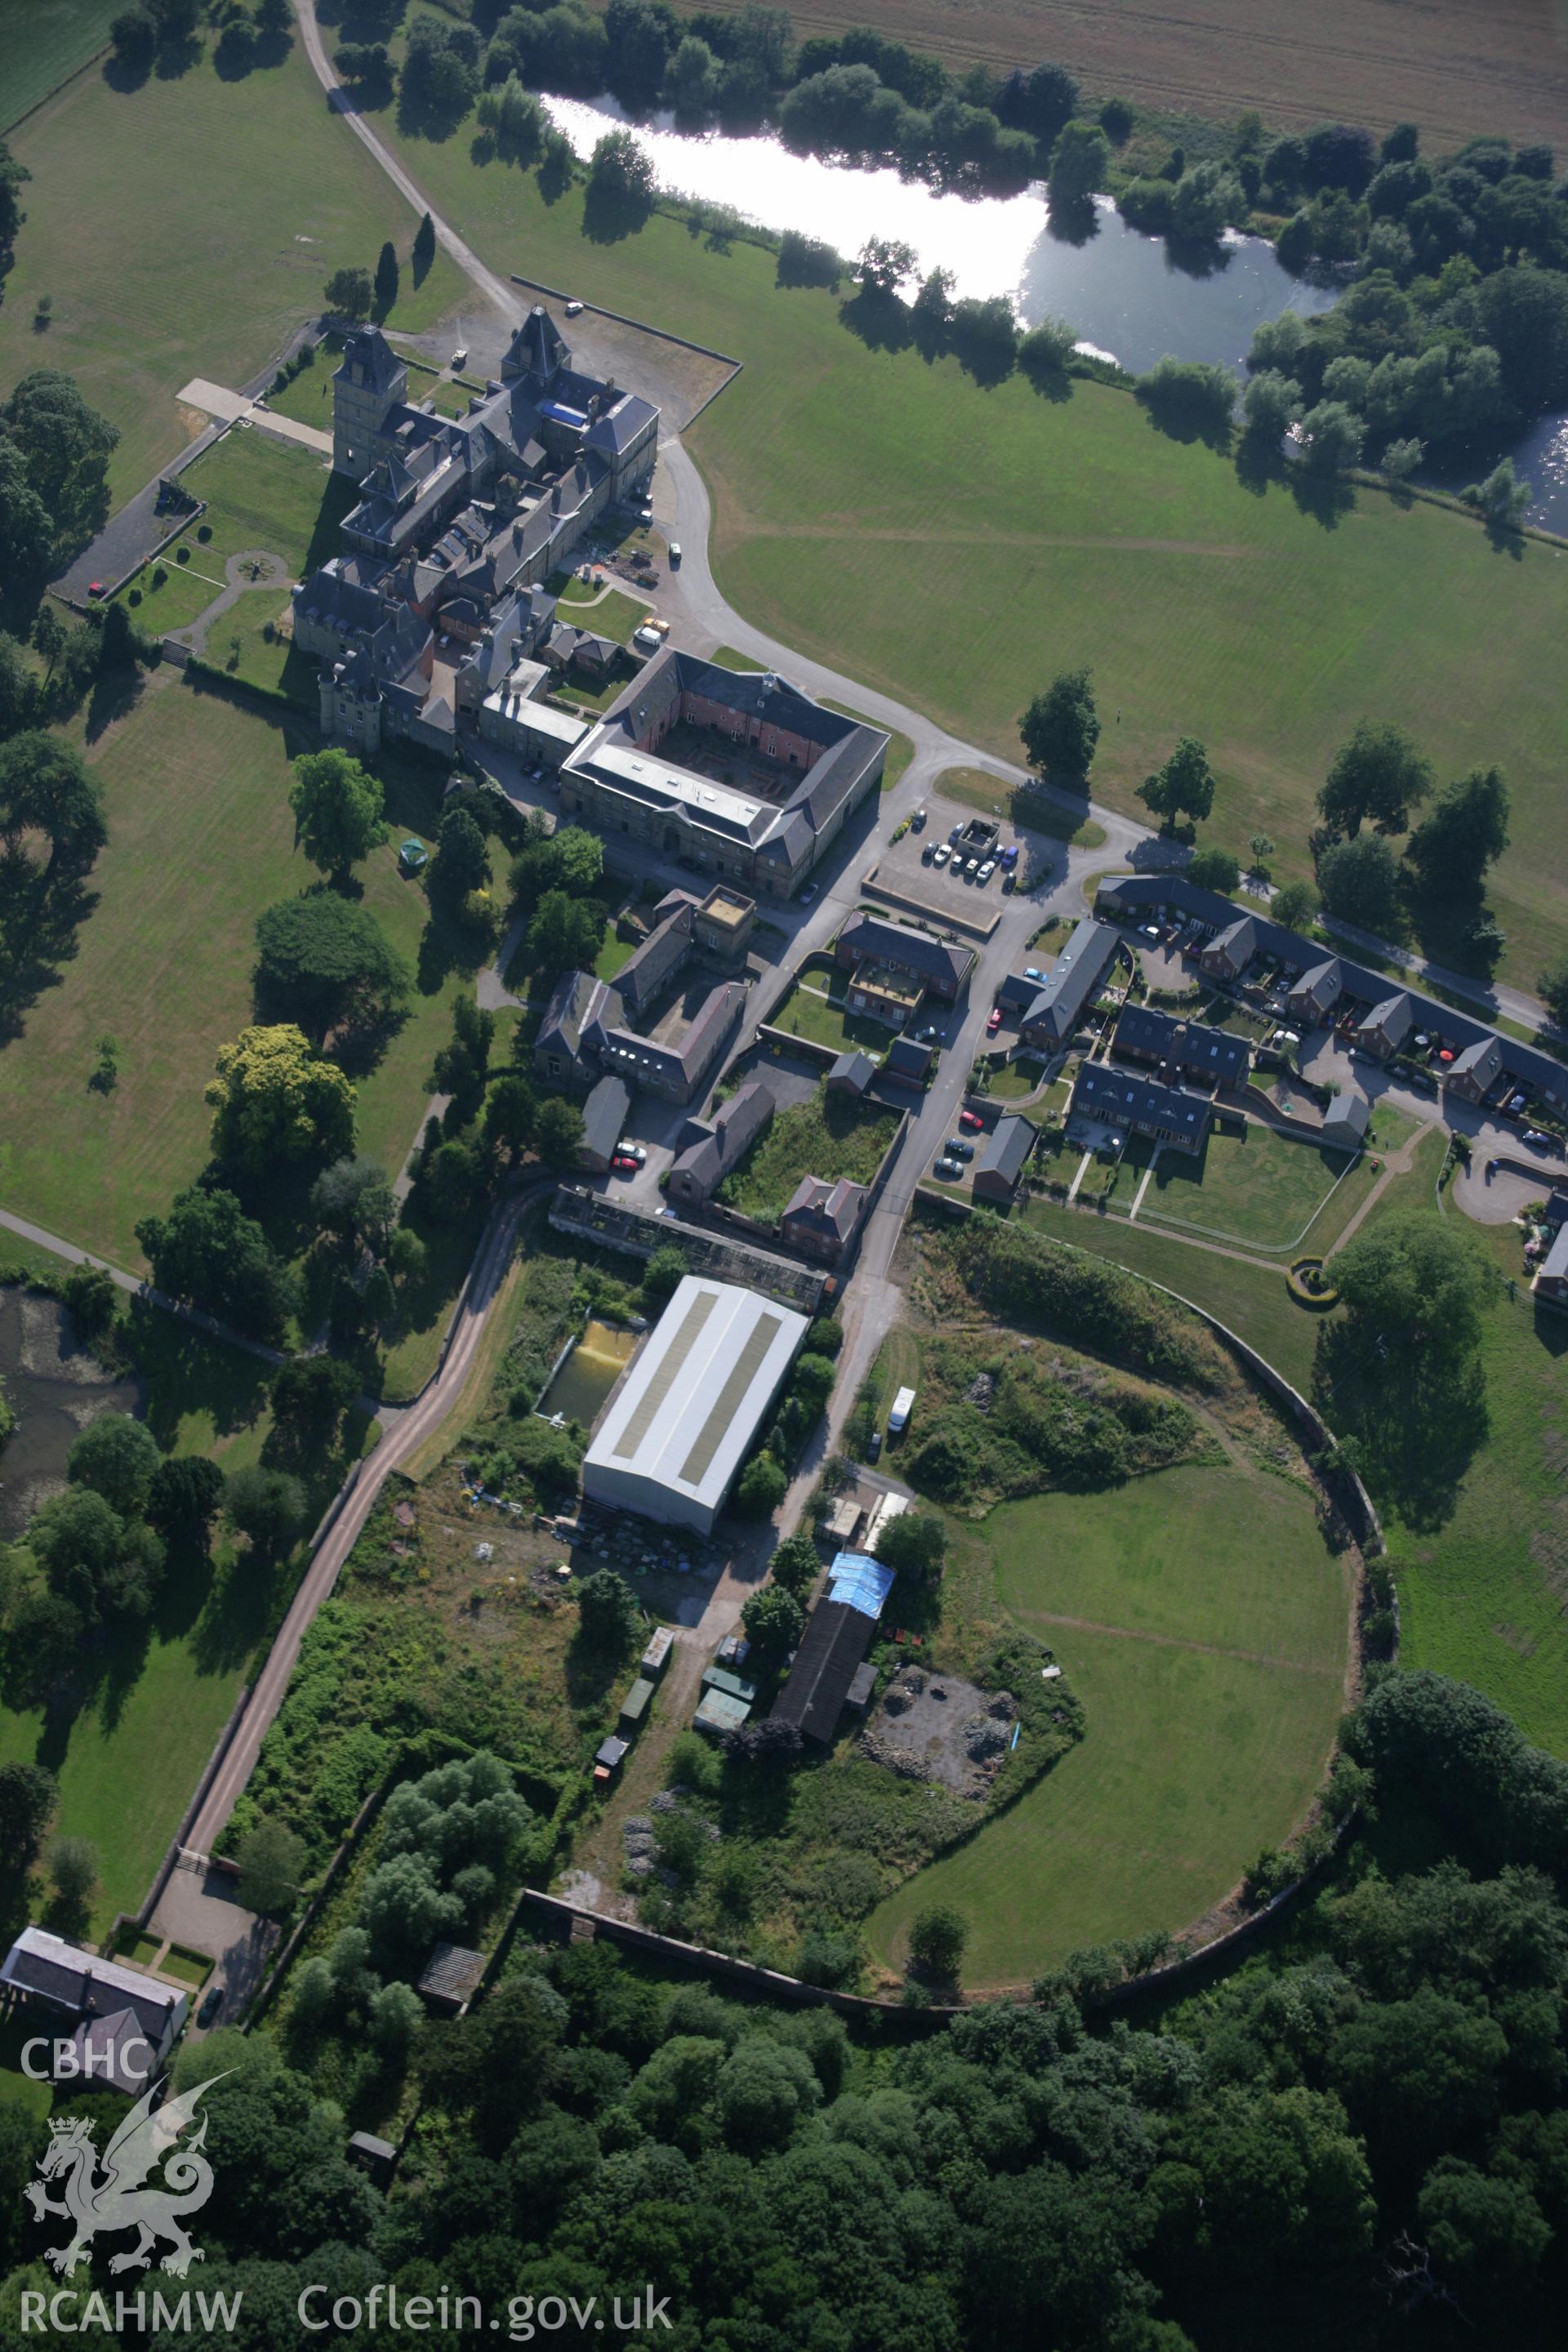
(828, 1136)
(45, 41)
(889, 518)
(1191, 1763)
(1482, 1597)
(1250, 1300)
(1261, 1189)
(216, 209)
(261, 492)
(181, 596)
(613, 615)
(201, 840)
(1025, 812)
(807, 1012)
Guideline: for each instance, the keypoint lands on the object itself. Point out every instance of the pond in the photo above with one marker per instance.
(1124, 292)
(585, 1380)
(1131, 298)
(55, 1388)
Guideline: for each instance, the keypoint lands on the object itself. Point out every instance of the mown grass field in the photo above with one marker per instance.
(45, 41)
(201, 839)
(187, 228)
(955, 547)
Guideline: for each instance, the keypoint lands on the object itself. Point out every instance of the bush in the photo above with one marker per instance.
(761, 1488)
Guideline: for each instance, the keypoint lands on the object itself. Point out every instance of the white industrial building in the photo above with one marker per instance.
(693, 1403)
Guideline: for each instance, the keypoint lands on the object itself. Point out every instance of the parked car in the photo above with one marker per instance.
(808, 894)
(994, 1022)
(210, 2007)
(1149, 930)
(1515, 1104)
(574, 308)
(957, 833)
(1009, 880)
(946, 1171)
(919, 820)
(957, 1149)
(461, 356)
(96, 588)
(1540, 1141)
(971, 1120)
(988, 867)
(645, 516)
(675, 555)
(624, 1164)
(634, 1151)
(873, 1451)
(927, 855)
(1033, 971)
(940, 854)
(930, 1034)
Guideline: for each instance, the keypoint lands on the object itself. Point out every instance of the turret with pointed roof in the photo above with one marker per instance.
(538, 350)
(369, 382)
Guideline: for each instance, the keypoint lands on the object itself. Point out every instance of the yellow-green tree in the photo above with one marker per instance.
(275, 1100)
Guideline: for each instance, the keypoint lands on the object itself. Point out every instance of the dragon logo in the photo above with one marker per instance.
(113, 2197)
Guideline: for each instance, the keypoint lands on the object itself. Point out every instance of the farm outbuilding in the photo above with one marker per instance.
(693, 1403)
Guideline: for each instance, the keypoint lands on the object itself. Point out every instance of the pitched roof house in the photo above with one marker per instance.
(1072, 983)
(1227, 956)
(941, 965)
(1187, 1049)
(1004, 1157)
(1477, 1070)
(1387, 1025)
(1168, 1114)
(702, 1167)
(1311, 998)
(822, 1216)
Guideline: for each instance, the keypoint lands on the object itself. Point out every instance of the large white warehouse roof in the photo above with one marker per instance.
(693, 1403)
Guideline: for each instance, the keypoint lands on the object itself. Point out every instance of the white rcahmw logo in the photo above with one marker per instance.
(112, 2196)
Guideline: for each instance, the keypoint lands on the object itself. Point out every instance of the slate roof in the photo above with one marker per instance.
(605, 1118)
(1007, 1149)
(1321, 986)
(1189, 1046)
(369, 359)
(734, 1127)
(1554, 1265)
(854, 1070)
(452, 1973)
(835, 1641)
(1391, 1021)
(826, 1205)
(907, 1057)
(1351, 1112)
(1238, 943)
(1120, 1100)
(1073, 980)
(68, 1978)
(1132, 895)
(877, 939)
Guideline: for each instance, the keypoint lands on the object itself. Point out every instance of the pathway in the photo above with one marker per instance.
(343, 1524)
(238, 408)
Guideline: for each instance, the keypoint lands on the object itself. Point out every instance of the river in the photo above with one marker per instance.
(55, 1388)
(1129, 295)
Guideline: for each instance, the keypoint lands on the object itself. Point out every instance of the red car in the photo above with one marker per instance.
(995, 1021)
(970, 1119)
(623, 1165)
(96, 588)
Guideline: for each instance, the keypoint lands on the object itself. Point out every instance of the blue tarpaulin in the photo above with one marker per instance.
(859, 1581)
(562, 414)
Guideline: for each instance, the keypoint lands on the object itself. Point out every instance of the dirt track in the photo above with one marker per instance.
(1453, 66)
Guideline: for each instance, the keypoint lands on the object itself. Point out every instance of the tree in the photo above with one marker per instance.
(462, 861)
(354, 1201)
(462, 1064)
(67, 447)
(1061, 726)
(937, 1938)
(1295, 905)
(29, 1795)
(512, 1114)
(275, 1100)
(45, 787)
(310, 1395)
(1400, 460)
(885, 264)
(117, 1458)
(914, 1543)
(664, 1273)
(266, 1506)
(1207, 200)
(1080, 159)
(73, 1873)
(1331, 436)
(1271, 404)
(1503, 499)
(1183, 786)
(692, 79)
(337, 809)
(563, 934)
(424, 247)
(92, 1296)
(325, 962)
(349, 293)
(1553, 986)
(761, 1487)
(385, 278)
(396, 2013)
(763, 2092)
(1464, 832)
(1524, 318)
(607, 1612)
(1477, 2225)
(206, 1250)
(27, 544)
(105, 1567)
(795, 1564)
(621, 173)
(1189, 398)
(134, 34)
(185, 1498)
(271, 1865)
(1213, 868)
(1359, 880)
(1046, 352)
(1414, 1285)
(1378, 776)
(558, 1132)
(775, 1620)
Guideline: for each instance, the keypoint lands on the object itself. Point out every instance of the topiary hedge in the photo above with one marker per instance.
(1307, 1286)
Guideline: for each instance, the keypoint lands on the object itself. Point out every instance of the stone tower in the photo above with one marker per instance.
(369, 382)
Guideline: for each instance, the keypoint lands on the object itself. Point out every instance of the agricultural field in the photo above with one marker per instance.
(829, 1136)
(159, 292)
(842, 474)
(1216, 58)
(201, 839)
